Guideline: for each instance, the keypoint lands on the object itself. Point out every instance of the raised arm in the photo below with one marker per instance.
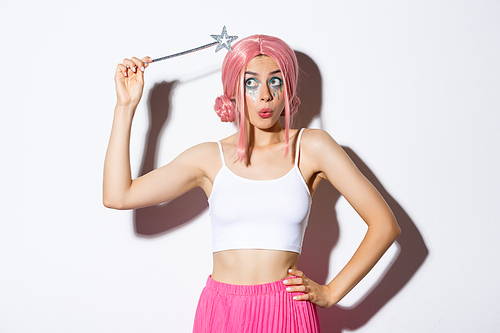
(160, 185)
(323, 157)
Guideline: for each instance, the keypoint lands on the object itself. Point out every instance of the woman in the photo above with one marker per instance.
(259, 182)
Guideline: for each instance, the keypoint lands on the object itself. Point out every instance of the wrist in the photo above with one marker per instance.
(333, 295)
(122, 109)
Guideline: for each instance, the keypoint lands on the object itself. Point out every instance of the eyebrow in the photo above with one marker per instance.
(256, 74)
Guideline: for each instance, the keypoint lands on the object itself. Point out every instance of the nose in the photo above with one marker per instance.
(266, 95)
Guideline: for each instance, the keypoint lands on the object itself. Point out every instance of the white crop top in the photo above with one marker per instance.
(259, 214)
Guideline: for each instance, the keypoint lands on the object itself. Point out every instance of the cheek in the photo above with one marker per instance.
(279, 98)
(278, 93)
(250, 95)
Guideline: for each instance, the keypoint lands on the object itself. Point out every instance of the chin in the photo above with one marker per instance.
(265, 124)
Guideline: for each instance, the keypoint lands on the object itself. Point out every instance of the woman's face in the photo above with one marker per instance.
(264, 93)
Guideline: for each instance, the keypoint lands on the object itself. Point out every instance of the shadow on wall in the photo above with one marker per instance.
(152, 221)
(323, 230)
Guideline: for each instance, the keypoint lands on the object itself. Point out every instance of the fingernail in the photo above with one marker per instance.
(285, 281)
(295, 298)
(134, 69)
(124, 73)
(289, 289)
(290, 270)
(142, 68)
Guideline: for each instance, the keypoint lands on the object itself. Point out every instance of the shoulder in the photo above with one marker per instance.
(230, 144)
(205, 148)
(200, 154)
(320, 150)
(230, 140)
(315, 140)
(202, 160)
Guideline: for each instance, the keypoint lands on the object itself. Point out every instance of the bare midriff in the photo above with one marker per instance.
(250, 267)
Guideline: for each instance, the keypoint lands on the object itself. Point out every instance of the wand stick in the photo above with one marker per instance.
(222, 41)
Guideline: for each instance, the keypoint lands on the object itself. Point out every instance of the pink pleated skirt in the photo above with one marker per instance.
(263, 308)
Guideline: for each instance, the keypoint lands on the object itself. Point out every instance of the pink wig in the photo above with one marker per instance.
(231, 105)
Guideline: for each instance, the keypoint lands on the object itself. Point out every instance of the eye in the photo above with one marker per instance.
(251, 84)
(276, 82)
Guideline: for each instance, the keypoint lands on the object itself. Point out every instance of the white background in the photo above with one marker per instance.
(411, 90)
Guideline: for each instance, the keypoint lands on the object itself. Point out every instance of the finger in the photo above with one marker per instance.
(302, 297)
(122, 68)
(138, 63)
(145, 62)
(293, 281)
(130, 64)
(297, 289)
(295, 272)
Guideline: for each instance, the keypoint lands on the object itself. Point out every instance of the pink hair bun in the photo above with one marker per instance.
(224, 108)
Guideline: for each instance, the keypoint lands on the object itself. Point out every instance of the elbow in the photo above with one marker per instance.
(112, 203)
(388, 231)
(395, 231)
(109, 204)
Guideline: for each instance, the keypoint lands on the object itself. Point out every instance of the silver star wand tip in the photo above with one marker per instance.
(224, 40)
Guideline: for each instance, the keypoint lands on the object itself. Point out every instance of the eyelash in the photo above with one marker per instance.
(280, 82)
(248, 86)
(271, 84)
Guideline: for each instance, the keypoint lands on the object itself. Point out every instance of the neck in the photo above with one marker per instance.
(267, 137)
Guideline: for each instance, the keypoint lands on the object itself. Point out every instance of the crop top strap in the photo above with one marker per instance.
(297, 148)
(221, 153)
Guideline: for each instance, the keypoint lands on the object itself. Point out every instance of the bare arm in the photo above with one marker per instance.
(335, 166)
(163, 184)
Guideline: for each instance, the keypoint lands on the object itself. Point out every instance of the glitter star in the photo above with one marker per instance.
(224, 40)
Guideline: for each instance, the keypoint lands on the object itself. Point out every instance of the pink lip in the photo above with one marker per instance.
(265, 113)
